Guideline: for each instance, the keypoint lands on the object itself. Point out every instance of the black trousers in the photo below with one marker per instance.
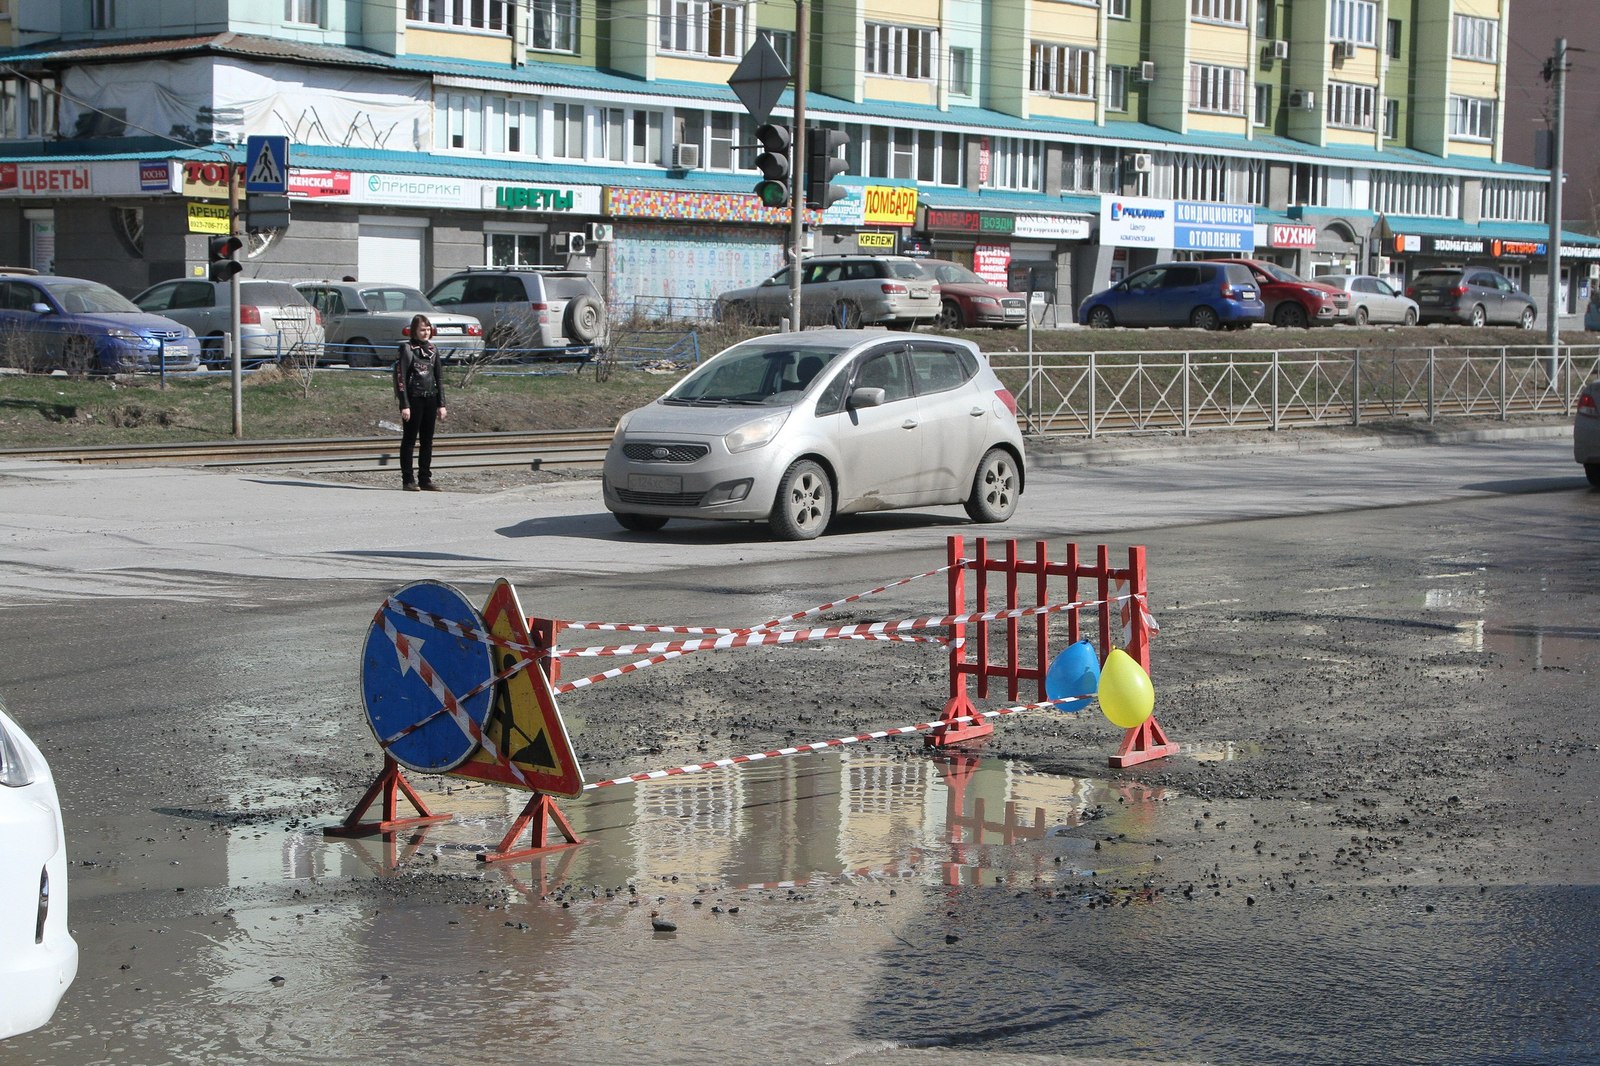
(419, 429)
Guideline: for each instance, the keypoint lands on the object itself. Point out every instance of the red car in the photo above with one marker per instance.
(1292, 300)
(967, 300)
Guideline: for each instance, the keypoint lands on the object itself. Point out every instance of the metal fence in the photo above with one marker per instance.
(1095, 393)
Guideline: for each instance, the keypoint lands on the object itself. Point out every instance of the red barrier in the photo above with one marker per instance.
(970, 656)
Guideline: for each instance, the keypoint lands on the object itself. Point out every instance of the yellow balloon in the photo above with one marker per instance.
(1126, 695)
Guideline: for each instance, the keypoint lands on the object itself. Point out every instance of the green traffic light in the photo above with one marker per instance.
(772, 193)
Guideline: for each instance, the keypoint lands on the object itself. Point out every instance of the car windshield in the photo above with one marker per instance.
(947, 273)
(754, 375)
(394, 298)
(906, 268)
(90, 298)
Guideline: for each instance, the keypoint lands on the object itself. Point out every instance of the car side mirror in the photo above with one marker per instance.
(866, 396)
(40, 308)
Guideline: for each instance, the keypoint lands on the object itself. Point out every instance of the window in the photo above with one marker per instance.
(1263, 19)
(782, 42)
(514, 249)
(1091, 168)
(701, 28)
(458, 121)
(1216, 89)
(510, 126)
(103, 15)
(1512, 201)
(1263, 109)
(1393, 42)
(1471, 118)
(27, 108)
(566, 131)
(1061, 70)
(613, 132)
(689, 128)
(725, 131)
(901, 51)
(961, 71)
(1014, 163)
(1319, 186)
(487, 15)
(1117, 9)
(1477, 38)
(1229, 11)
(303, 12)
(1423, 195)
(1354, 20)
(1351, 106)
(1211, 178)
(1116, 88)
(938, 158)
(553, 25)
(1391, 118)
(646, 138)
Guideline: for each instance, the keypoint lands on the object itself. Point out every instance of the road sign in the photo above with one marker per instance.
(266, 212)
(524, 723)
(759, 79)
(266, 164)
(411, 669)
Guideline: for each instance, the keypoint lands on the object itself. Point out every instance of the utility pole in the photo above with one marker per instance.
(797, 157)
(235, 230)
(1556, 71)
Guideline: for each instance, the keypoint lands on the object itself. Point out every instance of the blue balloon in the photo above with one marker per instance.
(1074, 673)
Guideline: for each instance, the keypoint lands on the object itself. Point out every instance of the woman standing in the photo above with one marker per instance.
(420, 390)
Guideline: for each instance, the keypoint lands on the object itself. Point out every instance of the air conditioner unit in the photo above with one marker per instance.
(1302, 100)
(569, 243)
(1280, 49)
(1594, 271)
(1147, 71)
(600, 232)
(1141, 162)
(1344, 49)
(686, 157)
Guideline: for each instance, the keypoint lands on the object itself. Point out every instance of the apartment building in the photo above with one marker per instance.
(1013, 135)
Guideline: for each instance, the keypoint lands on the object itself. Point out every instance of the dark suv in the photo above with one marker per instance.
(528, 311)
(1205, 294)
(1473, 295)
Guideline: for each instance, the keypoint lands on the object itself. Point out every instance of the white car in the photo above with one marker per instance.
(1373, 299)
(38, 957)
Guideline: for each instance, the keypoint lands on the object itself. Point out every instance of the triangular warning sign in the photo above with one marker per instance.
(265, 170)
(524, 721)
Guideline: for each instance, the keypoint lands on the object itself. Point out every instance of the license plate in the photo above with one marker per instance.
(1014, 312)
(655, 483)
(920, 292)
(448, 331)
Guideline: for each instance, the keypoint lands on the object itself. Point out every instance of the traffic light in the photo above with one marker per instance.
(773, 162)
(823, 165)
(223, 263)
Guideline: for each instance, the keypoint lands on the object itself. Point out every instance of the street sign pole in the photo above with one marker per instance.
(236, 228)
(797, 190)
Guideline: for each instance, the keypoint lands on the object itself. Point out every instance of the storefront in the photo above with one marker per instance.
(1024, 252)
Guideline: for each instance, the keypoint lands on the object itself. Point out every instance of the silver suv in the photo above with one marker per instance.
(846, 291)
(528, 312)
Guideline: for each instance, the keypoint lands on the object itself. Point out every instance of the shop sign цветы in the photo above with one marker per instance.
(890, 205)
(42, 179)
(563, 199)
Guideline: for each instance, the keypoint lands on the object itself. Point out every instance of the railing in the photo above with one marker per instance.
(1093, 393)
(674, 308)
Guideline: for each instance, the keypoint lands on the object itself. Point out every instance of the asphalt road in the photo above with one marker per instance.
(1379, 665)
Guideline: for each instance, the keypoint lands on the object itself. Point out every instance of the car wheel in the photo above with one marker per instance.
(211, 349)
(639, 523)
(585, 316)
(995, 487)
(846, 315)
(1101, 318)
(1411, 316)
(1592, 471)
(950, 316)
(804, 503)
(361, 353)
(1527, 318)
(1361, 316)
(1479, 316)
(1204, 318)
(1289, 313)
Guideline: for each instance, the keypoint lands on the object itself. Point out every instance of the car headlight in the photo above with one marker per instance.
(122, 333)
(622, 425)
(985, 301)
(756, 434)
(15, 769)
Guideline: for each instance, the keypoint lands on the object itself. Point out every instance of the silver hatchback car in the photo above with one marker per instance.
(795, 428)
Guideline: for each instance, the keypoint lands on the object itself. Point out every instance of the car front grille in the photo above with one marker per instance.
(166, 334)
(1014, 303)
(660, 499)
(647, 452)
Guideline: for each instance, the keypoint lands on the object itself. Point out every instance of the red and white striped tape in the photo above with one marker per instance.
(826, 607)
(823, 745)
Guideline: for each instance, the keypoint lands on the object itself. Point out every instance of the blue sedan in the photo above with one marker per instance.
(83, 327)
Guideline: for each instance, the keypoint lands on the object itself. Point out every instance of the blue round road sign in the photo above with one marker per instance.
(396, 696)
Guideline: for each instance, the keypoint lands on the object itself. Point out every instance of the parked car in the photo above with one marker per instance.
(1373, 299)
(38, 957)
(965, 299)
(1206, 294)
(1476, 296)
(364, 323)
(846, 291)
(1586, 430)
(1292, 300)
(794, 428)
(275, 321)
(526, 311)
(81, 326)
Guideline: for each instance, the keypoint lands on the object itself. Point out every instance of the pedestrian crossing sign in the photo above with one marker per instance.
(266, 167)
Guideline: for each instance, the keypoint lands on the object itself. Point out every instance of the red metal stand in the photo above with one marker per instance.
(1142, 743)
(391, 783)
(540, 811)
